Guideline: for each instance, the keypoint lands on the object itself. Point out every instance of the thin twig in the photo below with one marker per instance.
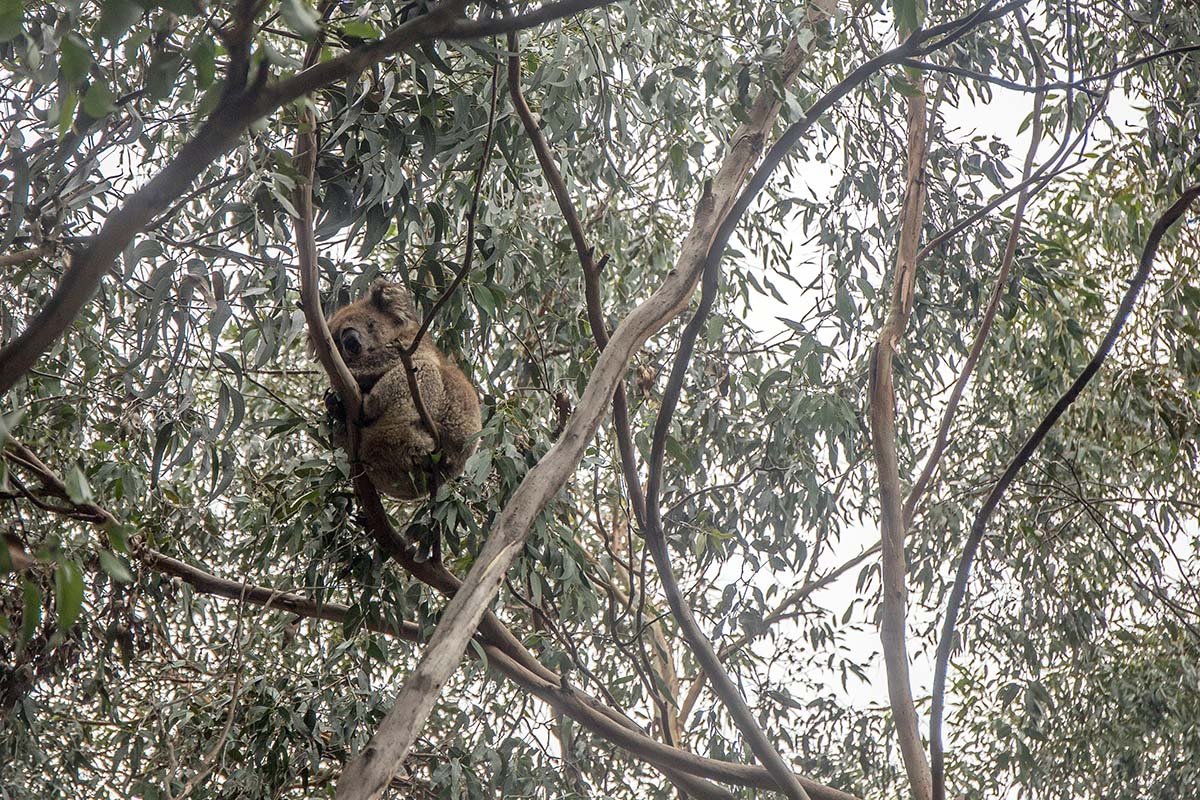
(1001, 282)
(472, 211)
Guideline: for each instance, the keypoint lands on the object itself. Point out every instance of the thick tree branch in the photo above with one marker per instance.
(21, 256)
(979, 525)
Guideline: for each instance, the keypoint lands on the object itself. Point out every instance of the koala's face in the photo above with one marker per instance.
(368, 331)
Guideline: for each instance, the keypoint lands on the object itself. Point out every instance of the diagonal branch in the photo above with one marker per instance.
(591, 269)
(979, 526)
(993, 305)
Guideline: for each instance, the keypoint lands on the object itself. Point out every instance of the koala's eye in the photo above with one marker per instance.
(350, 341)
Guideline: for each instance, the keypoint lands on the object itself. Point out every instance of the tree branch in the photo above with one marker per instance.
(761, 120)
(591, 270)
(993, 305)
(979, 526)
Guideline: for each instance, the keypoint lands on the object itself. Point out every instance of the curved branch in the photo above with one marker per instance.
(765, 111)
(1042, 84)
(979, 526)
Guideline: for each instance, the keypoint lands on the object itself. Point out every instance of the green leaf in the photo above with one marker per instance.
(485, 300)
(77, 486)
(68, 592)
(116, 567)
(12, 17)
(66, 113)
(31, 610)
(162, 75)
(909, 14)
(360, 30)
(203, 56)
(98, 101)
(116, 17)
(301, 18)
(74, 58)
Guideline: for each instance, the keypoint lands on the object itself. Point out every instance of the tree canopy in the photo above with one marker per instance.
(840, 375)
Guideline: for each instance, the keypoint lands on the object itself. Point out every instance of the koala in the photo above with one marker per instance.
(396, 448)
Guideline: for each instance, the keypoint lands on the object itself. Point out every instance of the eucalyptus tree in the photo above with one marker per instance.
(763, 301)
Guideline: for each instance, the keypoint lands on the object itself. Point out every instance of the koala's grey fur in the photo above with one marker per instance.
(396, 448)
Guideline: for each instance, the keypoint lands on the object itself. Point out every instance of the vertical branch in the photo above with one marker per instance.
(882, 410)
(979, 525)
(305, 150)
(472, 213)
(591, 273)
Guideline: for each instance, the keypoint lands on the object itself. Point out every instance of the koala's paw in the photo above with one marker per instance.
(336, 418)
(334, 406)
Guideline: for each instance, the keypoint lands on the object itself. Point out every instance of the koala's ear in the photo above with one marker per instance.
(392, 298)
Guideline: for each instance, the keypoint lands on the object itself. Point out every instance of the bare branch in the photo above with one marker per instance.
(979, 526)
(1042, 84)
(549, 12)
(591, 269)
(21, 256)
(469, 249)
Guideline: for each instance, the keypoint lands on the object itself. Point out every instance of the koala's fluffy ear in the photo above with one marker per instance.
(392, 298)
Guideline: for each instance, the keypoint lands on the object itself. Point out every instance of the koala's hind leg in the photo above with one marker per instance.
(460, 420)
(396, 446)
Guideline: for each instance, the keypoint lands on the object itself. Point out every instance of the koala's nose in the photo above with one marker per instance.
(352, 343)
